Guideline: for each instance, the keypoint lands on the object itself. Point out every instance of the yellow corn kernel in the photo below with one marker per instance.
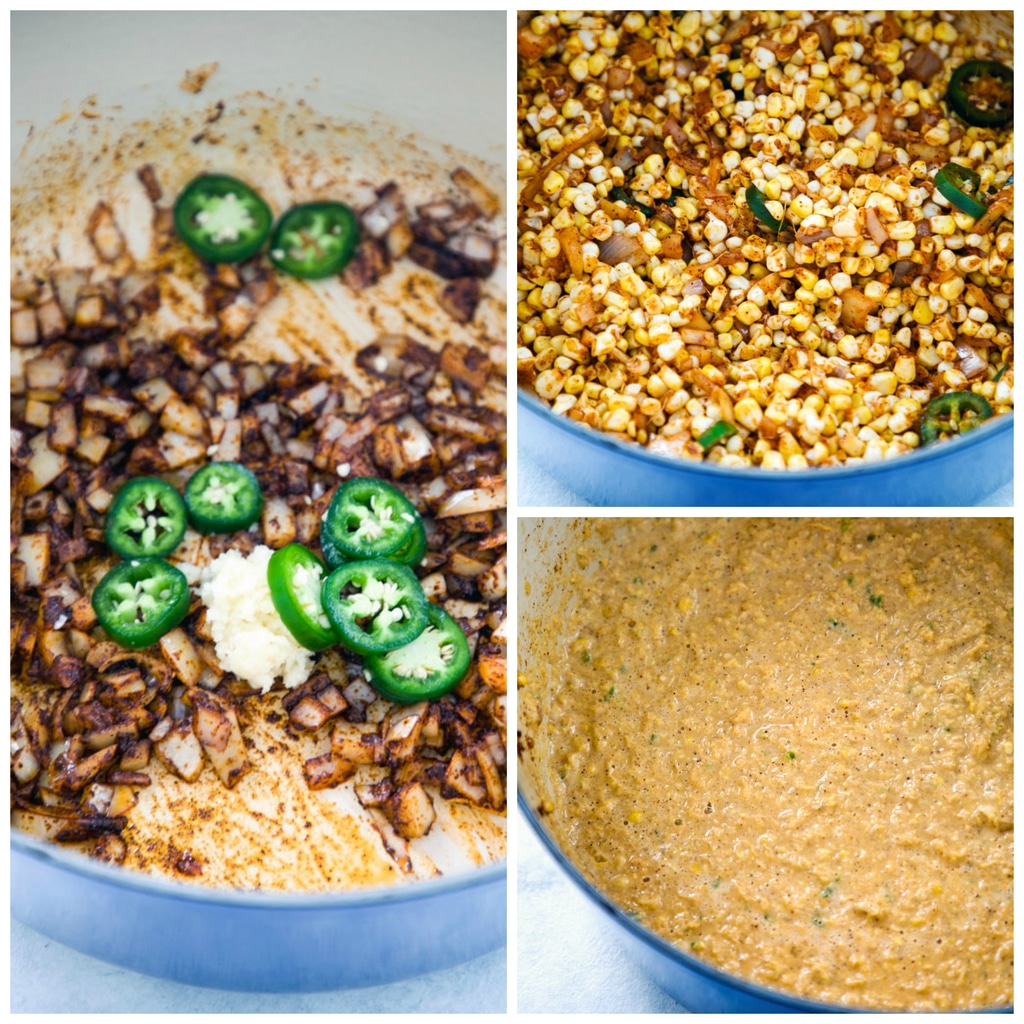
(884, 382)
(952, 289)
(748, 413)
(903, 230)
(617, 420)
(923, 312)
(787, 385)
(748, 312)
(549, 383)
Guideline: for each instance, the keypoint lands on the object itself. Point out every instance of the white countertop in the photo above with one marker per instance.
(47, 977)
(567, 961)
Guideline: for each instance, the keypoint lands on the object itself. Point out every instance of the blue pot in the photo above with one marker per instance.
(607, 471)
(256, 941)
(691, 982)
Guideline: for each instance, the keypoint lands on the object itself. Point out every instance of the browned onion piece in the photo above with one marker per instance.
(923, 64)
(927, 151)
(618, 76)
(972, 365)
(875, 227)
(810, 237)
(823, 27)
(622, 248)
(572, 246)
(900, 270)
(477, 499)
(626, 159)
(866, 126)
(857, 307)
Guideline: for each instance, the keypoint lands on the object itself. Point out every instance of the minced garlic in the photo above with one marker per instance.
(251, 640)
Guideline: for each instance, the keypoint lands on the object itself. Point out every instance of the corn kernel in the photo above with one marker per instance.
(549, 383)
(748, 413)
(748, 312)
(923, 312)
(617, 420)
(943, 225)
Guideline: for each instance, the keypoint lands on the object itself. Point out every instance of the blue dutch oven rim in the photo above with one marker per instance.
(680, 956)
(789, 478)
(75, 862)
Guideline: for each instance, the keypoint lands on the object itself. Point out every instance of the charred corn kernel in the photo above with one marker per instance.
(838, 386)
(675, 402)
(943, 225)
(885, 382)
(563, 403)
(715, 230)
(549, 383)
(905, 369)
(671, 379)
(617, 420)
(553, 183)
(787, 385)
(802, 205)
(656, 387)
(714, 276)
(951, 290)
(748, 312)
(748, 413)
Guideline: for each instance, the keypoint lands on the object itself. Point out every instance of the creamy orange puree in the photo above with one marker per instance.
(786, 745)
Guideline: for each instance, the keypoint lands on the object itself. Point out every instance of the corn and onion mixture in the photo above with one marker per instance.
(653, 303)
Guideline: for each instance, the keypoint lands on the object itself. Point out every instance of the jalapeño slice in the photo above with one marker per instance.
(955, 412)
(295, 576)
(368, 518)
(221, 218)
(759, 208)
(146, 519)
(314, 240)
(223, 497)
(375, 606)
(960, 185)
(412, 552)
(139, 600)
(981, 92)
(716, 433)
(432, 665)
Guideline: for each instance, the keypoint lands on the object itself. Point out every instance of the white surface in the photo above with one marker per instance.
(567, 961)
(47, 977)
(538, 489)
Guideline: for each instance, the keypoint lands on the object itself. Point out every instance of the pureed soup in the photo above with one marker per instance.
(786, 746)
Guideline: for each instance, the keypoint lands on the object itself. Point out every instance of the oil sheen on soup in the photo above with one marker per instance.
(786, 747)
